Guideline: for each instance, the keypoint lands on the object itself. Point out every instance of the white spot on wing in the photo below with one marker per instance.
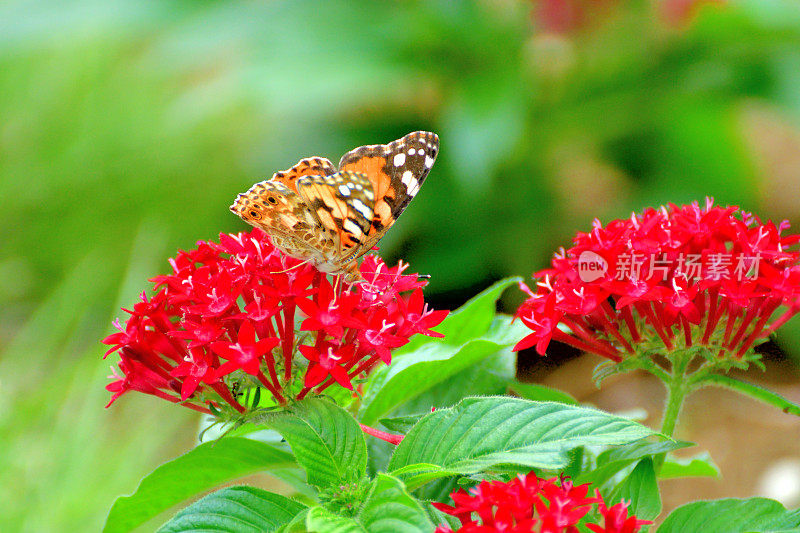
(399, 160)
(351, 226)
(411, 183)
(428, 161)
(362, 209)
(410, 151)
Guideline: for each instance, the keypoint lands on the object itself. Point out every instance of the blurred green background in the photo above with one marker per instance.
(127, 128)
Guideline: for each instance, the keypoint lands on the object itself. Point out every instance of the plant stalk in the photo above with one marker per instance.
(678, 387)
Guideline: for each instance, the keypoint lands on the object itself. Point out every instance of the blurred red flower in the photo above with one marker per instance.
(568, 17)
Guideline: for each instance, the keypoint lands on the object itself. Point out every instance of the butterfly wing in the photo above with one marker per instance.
(284, 216)
(332, 218)
(310, 166)
(396, 171)
(343, 202)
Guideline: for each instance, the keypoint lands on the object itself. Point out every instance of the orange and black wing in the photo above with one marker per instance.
(397, 171)
(343, 203)
(309, 166)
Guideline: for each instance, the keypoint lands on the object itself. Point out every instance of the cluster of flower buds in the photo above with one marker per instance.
(240, 315)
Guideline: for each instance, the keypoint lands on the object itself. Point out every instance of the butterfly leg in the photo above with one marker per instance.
(351, 273)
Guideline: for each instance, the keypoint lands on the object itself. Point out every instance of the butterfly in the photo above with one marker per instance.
(331, 217)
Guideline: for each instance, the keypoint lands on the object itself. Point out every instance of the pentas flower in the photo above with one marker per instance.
(528, 503)
(239, 314)
(711, 280)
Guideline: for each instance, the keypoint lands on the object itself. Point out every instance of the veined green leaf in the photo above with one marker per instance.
(612, 461)
(201, 469)
(325, 439)
(414, 373)
(470, 321)
(700, 465)
(241, 509)
(640, 489)
(540, 393)
(388, 508)
(480, 433)
(752, 515)
(321, 520)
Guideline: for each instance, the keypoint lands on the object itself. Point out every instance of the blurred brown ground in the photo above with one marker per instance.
(745, 438)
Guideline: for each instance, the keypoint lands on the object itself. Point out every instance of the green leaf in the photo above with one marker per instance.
(439, 518)
(417, 372)
(487, 377)
(296, 524)
(474, 318)
(325, 439)
(540, 393)
(637, 450)
(378, 454)
(731, 516)
(505, 330)
(579, 460)
(401, 424)
(700, 465)
(203, 468)
(609, 462)
(240, 509)
(296, 478)
(470, 321)
(640, 488)
(414, 468)
(389, 508)
(755, 392)
(321, 520)
(480, 433)
(472, 333)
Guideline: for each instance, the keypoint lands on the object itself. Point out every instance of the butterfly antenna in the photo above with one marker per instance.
(290, 268)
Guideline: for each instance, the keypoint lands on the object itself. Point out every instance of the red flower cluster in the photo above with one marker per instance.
(528, 503)
(233, 306)
(669, 278)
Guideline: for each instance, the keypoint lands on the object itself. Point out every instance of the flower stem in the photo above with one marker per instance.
(674, 403)
(678, 387)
